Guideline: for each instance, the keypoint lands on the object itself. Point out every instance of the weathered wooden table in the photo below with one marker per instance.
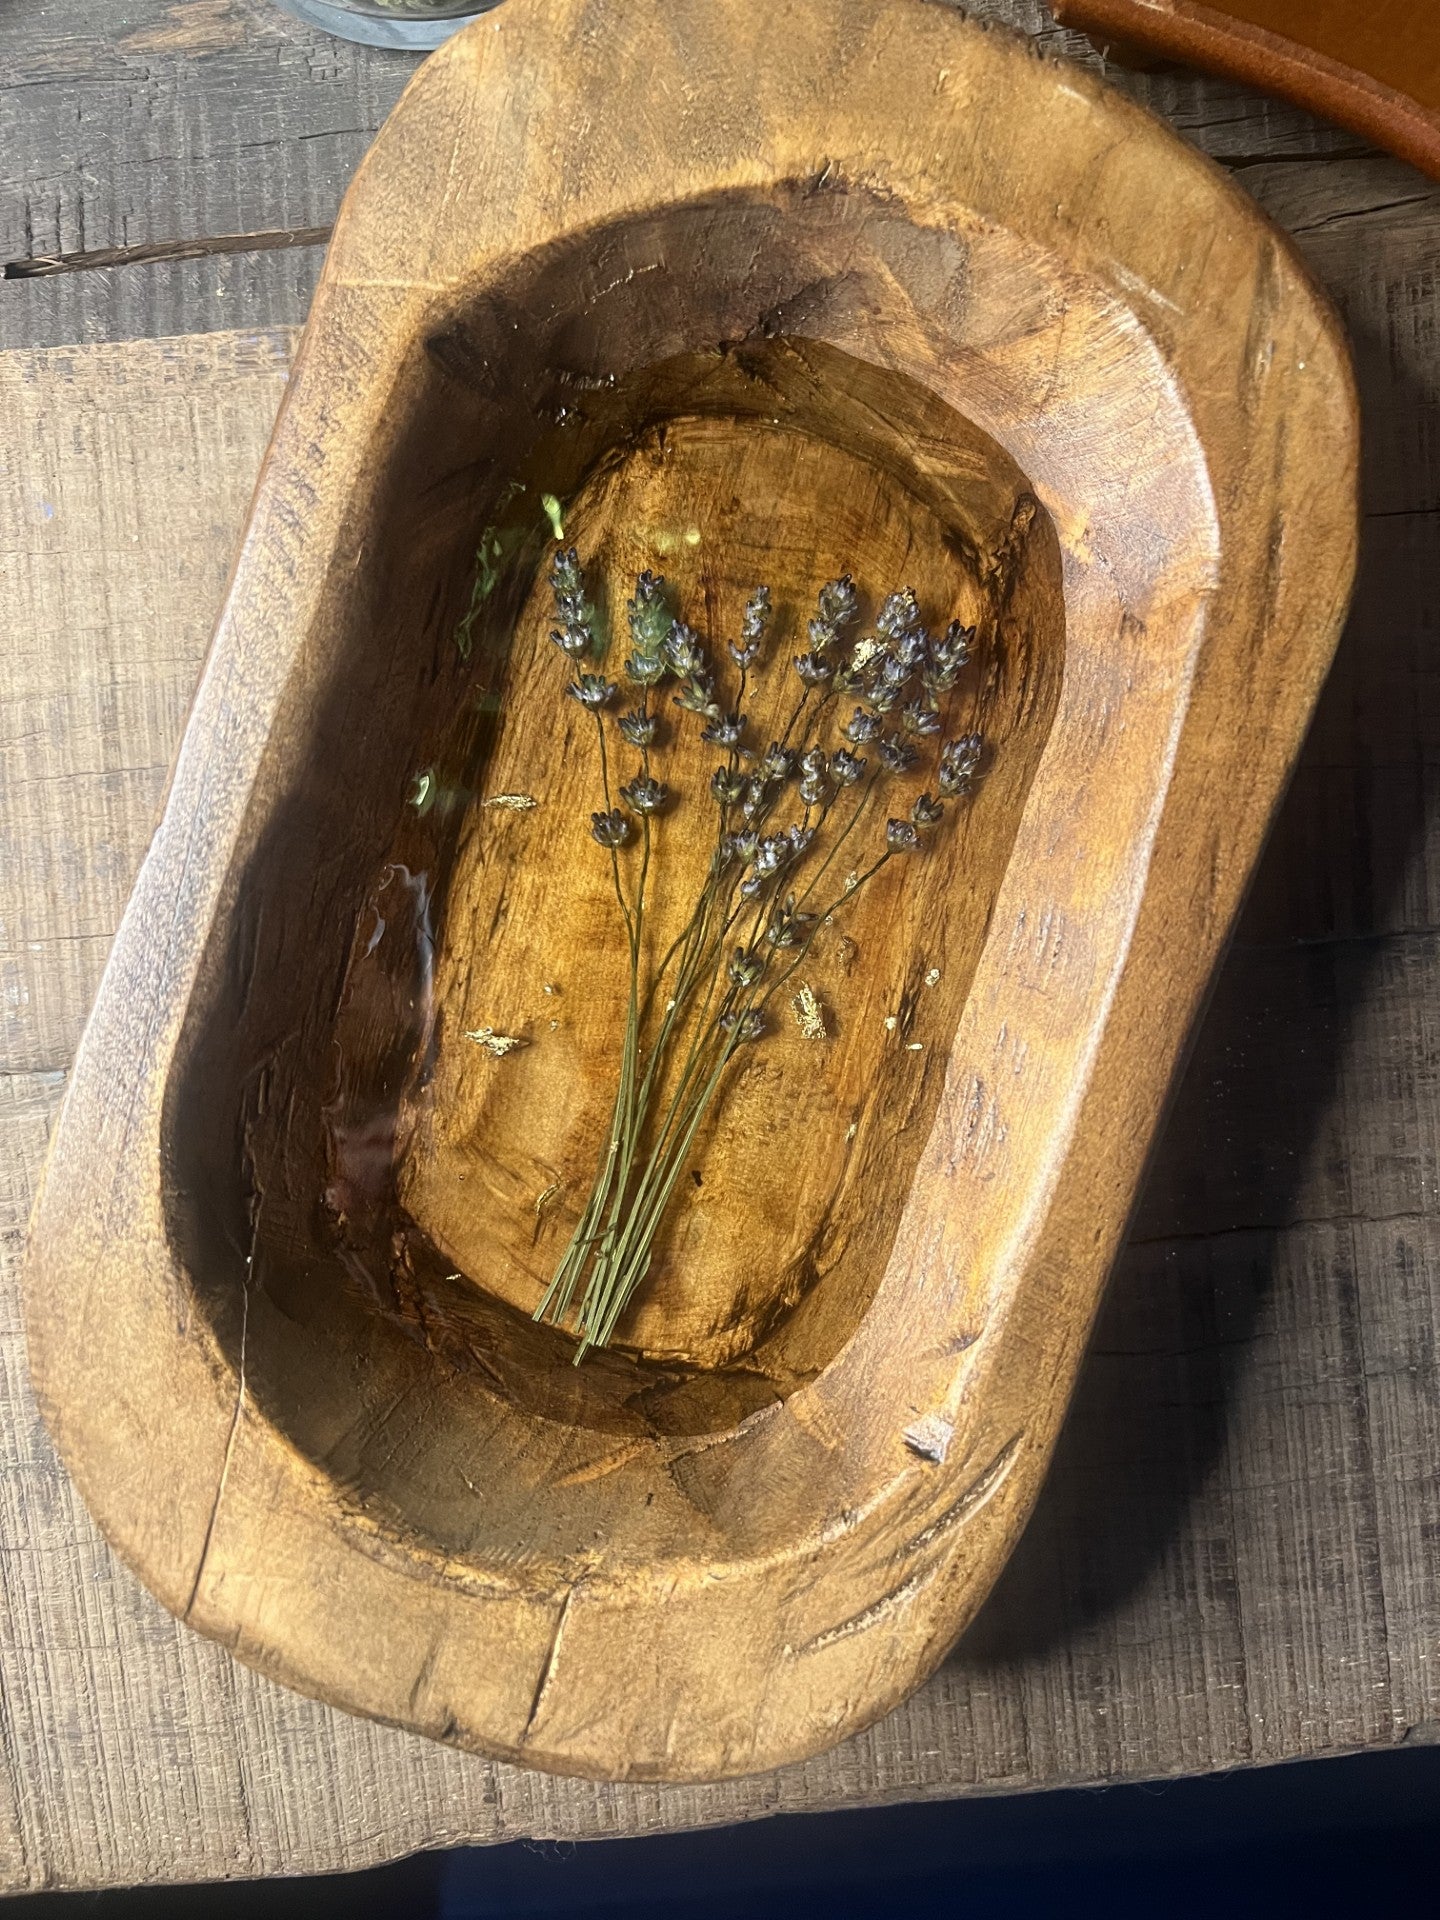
(1238, 1556)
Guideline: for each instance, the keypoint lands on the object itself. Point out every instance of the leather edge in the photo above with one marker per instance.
(1198, 35)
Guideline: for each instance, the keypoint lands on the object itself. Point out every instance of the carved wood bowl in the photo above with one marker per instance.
(756, 295)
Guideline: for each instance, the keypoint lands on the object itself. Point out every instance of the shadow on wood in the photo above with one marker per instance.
(1253, 1118)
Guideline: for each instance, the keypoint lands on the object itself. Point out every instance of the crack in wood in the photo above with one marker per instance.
(547, 1670)
(975, 1496)
(41, 266)
(229, 1455)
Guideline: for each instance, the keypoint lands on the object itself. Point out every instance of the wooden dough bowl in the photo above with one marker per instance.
(756, 294)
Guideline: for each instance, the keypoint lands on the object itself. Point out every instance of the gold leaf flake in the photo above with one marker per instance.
(497, 1045)
(809, 1013)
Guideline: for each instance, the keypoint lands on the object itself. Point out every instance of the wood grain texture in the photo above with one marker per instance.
(1274, 1320)
(125, 123)
(821, 1223)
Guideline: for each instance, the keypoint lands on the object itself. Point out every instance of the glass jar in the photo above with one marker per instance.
(412, 24)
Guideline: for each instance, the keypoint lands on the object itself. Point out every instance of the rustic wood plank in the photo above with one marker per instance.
(1123, 1640)
(127, 122)
(121, 125)
(88, 728)
(1250, 1463)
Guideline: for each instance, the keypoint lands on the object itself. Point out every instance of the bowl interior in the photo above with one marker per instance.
(373, 1200)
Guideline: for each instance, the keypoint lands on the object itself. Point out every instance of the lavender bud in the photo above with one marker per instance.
(837, 601)
(756, 800)
(745, 968)
(728, 786)
(777, 762)
(813, 776)
(918, 719)
(800, 839)
(948, 655)
(892, 674)
(645, 669)
(813, 668)
(896, 754)
(911, 649)
(954, 647)
(575, 635)
(927, 810)
(846, 766)
(958, 761)
(757, 615)
(745, 1026)
(741, 846)
(900, 612)
(901, 836)
(698, 695)
(565, 574)
(725, 731)
(638, 727)
(746, 650)
(610, 829)
(644, 795)
(649, 617)
(771, 854)
(834, 606)
(861, 727)
(592, 690)
(790, 926)
(573, 640)
(684, 651)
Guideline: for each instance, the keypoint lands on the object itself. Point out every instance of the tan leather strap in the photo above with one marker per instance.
(1371, 65)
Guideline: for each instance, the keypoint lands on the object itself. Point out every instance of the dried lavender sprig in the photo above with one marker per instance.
(622, 1265)
(693, 941)
(627, 1262)
(747, 870)
(598, 1322)
(611, 829)
(746, 651)
(617, 1269)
